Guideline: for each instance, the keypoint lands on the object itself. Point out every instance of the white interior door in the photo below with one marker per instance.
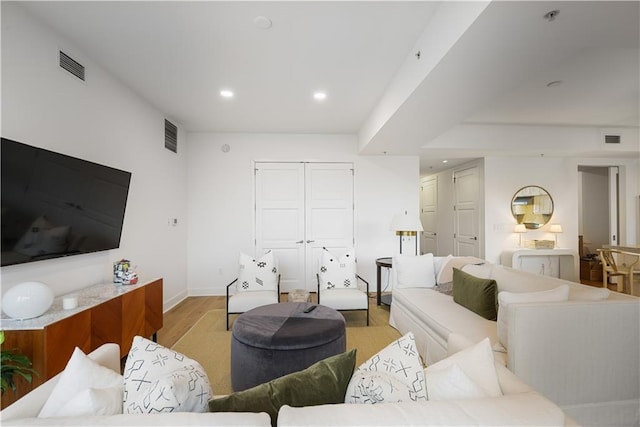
(301, 208)
(429, 214)
(466, 192)
(329, 213)
(279, 193)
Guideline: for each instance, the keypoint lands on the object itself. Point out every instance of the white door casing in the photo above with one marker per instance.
(466, 224)
(318, 212)
(429, 214)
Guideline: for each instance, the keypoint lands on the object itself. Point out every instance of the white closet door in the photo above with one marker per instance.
(300, 208)
(466, 224)
(329, 213)
(279, 192)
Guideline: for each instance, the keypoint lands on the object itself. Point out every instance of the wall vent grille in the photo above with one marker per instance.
(71, 65)
(170, 136)
(612, 139)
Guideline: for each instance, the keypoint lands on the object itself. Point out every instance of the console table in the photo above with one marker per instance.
(561, 263)
(105, 313)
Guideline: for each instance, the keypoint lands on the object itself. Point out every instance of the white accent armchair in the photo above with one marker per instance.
(257, 284)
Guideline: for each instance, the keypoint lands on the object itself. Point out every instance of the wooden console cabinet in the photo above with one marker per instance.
(105, 313)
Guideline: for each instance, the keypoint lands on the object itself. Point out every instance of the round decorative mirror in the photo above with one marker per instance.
(532, 206)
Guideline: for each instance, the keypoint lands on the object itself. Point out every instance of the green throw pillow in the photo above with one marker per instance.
(323, 382)
(476, 294)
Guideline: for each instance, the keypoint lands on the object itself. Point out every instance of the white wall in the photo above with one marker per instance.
(102, 121)
(504, 176)
(220, 202)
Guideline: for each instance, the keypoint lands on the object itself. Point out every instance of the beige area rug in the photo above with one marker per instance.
(210, 344)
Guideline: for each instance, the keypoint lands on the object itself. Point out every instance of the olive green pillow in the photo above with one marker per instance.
(476, 294)
(323, 382)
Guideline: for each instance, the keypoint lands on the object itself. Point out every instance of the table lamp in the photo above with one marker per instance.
(406, 225)
(520, 229)
(555, 229)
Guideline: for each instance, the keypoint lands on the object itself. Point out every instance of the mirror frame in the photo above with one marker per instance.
(520, 218)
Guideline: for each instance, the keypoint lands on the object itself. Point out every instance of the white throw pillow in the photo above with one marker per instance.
(158, 379)
(257, 274)
(80, 374)
(377, 387)
(451, 383)
(93, 401)
(414, 271)
(561, 293)
(477, 363)
(400, 360)
(338, 272)
(445, 274)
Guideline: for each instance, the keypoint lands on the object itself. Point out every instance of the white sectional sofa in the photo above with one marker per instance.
(520, 405)
(582, 353)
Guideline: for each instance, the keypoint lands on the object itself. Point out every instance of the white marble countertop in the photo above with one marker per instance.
(87, 298)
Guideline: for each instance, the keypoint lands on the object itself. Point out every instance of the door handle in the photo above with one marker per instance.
(310, 241)
(299, 241)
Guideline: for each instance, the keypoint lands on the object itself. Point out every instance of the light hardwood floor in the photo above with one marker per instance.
(183, 316)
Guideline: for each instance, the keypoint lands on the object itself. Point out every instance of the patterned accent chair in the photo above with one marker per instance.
(257, 284)
(338, 283)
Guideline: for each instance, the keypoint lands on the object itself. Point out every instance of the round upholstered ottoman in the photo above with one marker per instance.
(277, 339)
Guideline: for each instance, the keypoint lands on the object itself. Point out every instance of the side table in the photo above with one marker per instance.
(382, 262)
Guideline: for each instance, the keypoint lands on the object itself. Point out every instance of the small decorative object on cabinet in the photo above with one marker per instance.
(27, 300)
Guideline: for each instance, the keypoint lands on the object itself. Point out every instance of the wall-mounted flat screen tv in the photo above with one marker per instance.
(54, 205)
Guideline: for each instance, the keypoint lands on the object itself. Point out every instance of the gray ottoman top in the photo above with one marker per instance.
(285, 326)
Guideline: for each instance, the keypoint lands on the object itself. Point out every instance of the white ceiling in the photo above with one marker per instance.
(179, 55)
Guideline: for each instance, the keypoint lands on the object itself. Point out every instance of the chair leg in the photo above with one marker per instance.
(227, 320)
(631, 282)
(604, 278)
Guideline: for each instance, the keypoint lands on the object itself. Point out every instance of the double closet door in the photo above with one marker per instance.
(301, 208)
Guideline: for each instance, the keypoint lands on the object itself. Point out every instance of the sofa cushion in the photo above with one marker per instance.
(403, 377)
(323, 382)
(94, 401)
(414, 271)
(561, 293)
(476, 294)
(452, 383)
(478, 365)
(257, 274)
(338, 272)
(80, 375)
(158, 379)
(442, 316)
(445, 273)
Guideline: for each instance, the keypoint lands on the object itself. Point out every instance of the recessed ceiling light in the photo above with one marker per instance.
(226, 93)
(554, 83)
(445, 161)
(319, 96)
(262, 22)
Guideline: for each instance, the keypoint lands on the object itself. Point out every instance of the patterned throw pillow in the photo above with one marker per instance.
(394, 374)
(257, 275)
(338, 272)
(157, 379)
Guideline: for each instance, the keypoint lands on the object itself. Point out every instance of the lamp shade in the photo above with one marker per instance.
(520, 228)
(404, 222)
(27, 300)
(555, 228)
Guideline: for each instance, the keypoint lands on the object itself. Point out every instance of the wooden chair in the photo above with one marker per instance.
(611, 268)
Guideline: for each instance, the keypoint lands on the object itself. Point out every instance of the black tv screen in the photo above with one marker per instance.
(55, 205)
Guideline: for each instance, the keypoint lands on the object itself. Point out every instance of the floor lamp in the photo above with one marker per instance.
(406, 225)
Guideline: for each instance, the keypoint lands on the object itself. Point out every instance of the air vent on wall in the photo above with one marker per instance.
(612, 139)
(170, 136)
(71, 65)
